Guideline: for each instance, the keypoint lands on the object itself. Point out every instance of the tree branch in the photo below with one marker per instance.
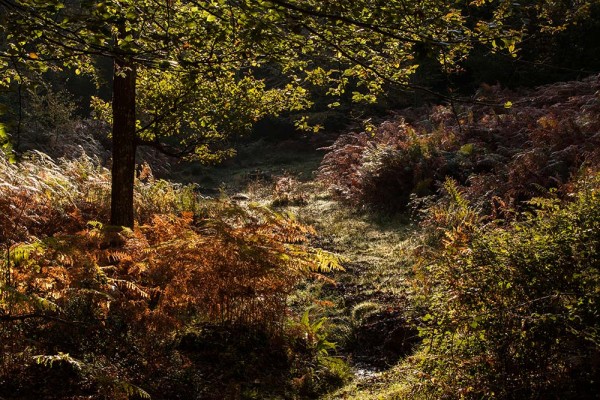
(350, 21)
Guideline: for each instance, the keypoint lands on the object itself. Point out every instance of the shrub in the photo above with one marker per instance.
(511, 312)
(384, 168)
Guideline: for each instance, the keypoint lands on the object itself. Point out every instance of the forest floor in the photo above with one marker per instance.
(363, 305)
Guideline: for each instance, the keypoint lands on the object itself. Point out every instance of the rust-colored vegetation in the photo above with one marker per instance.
(505, 149)
(120, 312)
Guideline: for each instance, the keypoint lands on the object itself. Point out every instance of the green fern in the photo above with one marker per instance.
(131, 390)
(12, 296)
(23, 251)
(328, 261)
(48, 361)
(317, 335)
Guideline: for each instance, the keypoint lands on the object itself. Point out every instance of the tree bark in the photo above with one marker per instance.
(123, 143)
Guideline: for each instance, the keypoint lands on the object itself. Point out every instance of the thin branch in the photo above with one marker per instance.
(350, 21)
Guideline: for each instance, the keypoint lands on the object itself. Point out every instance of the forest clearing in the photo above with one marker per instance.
(293, 200)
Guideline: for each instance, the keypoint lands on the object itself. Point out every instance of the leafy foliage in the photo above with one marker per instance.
(511, 311)
(200, 68)
(197, 64)
(207, 114)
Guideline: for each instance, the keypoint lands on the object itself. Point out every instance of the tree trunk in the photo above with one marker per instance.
(123, 144)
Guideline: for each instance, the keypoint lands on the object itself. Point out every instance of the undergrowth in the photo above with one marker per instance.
(511, 311)
(502, 155)
(504, 311)
(490, 293)
(500, 278)
(124, 313)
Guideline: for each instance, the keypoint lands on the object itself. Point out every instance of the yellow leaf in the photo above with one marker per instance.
(33, 56)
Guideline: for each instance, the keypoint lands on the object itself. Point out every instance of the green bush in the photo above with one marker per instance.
(512, 311)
